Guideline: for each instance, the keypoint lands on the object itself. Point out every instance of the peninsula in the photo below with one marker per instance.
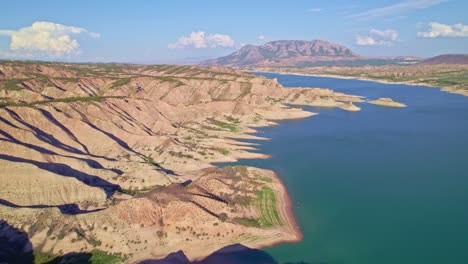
(117, 158)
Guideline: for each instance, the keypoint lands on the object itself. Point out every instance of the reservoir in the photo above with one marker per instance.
(383, 185)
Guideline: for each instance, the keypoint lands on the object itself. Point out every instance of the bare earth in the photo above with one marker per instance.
(119, 158)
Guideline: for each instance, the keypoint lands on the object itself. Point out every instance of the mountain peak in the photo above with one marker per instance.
(285, 53)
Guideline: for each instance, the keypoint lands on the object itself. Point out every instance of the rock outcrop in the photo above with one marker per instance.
(387, 102)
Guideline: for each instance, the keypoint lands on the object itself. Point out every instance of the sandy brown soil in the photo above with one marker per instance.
(119, 157)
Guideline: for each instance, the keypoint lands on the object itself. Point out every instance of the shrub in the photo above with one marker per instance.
(223, 217)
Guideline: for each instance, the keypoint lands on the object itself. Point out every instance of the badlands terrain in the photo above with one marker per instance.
(117, 160)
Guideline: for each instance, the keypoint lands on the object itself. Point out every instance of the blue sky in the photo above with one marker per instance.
(174, 31)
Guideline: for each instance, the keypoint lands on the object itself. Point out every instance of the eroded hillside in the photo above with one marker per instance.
(119, 157)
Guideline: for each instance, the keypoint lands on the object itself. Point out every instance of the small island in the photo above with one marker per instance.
(350, 107)
(387, 102)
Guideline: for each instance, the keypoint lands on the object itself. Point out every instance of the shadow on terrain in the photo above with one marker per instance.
(122, 143)
(50, 139)
(209, 195)
(166, 171)
(67, 171)
(91, 163)
(130, 119)
(76, 258)
(15, 246)
(232, 254)
(43, 136)
(69, 209)
(208, 211)
(67, 131)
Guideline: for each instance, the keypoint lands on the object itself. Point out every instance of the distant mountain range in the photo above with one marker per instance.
(447, 59)
(300, 53)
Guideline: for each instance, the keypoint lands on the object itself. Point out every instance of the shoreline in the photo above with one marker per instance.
(288, 232)
(284, 201)
(286, 209)
(409, 83)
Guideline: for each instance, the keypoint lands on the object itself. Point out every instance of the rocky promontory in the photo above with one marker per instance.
(387, 102)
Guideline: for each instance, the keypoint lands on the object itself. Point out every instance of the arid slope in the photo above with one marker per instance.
(119, 158)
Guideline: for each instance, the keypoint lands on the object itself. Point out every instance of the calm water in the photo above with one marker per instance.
(383, 185)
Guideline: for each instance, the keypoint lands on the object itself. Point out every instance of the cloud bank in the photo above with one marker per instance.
(439, 30)
(45, 38)
(200, 40)
(378, 38)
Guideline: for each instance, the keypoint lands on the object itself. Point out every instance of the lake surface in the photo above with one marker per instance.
(383, 185)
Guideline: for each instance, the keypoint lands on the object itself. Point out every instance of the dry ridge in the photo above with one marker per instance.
(119, 157)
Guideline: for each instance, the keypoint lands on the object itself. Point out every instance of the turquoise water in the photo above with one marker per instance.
(383, 185)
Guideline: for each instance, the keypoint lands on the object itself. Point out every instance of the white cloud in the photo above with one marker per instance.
(378, 38)
(202, 40)
(314, 9)
(438, 30)
(397, 8)
(261, 37)
(45, 38)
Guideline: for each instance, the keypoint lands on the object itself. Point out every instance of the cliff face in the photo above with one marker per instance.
(113, 145)
(285, 53)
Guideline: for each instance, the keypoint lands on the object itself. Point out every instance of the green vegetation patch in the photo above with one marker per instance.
(257, 118)
(134, 192)
(222, 151)
(266, 203)
(120, 82)
(169, 79)
(13, 85)
(224, 125)
(149, 159)
(450, 81)
(263, 178)
(93, 257)
(249, 222)
(232, 119)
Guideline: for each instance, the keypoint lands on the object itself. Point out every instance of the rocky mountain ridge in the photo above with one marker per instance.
(284, 53)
